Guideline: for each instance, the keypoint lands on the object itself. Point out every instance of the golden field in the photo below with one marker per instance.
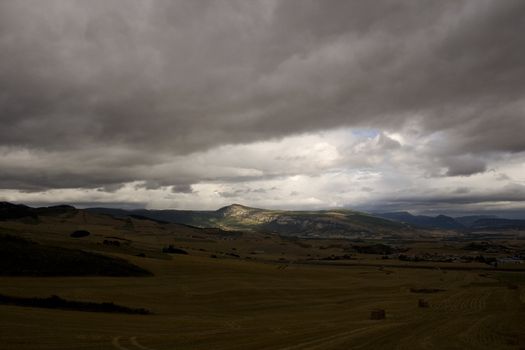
(199, 302)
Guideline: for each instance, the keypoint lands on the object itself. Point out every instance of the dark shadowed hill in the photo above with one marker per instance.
(10, 211)
(188, 217)
(471, 222)
(498, 223)
(440, 221)
(20, 257)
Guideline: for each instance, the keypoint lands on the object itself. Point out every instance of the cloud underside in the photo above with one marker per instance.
(179, 103)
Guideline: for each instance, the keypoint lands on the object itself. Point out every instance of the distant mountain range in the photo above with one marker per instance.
(472, 222)
(320, 223)
(440, 221)
(308, 223)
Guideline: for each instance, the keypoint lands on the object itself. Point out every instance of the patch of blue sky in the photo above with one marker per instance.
(365, 133)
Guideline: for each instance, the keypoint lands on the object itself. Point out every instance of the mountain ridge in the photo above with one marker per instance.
(237, 217)
(468, 222)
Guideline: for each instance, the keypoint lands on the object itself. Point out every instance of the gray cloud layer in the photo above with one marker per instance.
(101, 91)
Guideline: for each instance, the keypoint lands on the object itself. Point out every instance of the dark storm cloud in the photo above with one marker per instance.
(464, 166)
(505, 195)
(184, 188)
(166, 78)
(458, 200)
(242, 192)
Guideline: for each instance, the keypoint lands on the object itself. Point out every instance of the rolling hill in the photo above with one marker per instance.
(323, 223)
(471, 223)
(424, 221)
(21, 257)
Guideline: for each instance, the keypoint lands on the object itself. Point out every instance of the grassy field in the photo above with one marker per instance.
(203, 303)
(258, 291)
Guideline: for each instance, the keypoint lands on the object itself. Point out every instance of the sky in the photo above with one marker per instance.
(294, 104)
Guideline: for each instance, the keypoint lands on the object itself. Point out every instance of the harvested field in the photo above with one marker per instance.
(202, 303)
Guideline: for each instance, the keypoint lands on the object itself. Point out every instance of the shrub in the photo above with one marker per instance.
(79, 234)
(172, 250)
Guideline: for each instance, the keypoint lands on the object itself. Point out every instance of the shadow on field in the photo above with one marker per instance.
(20, 257)
(56, 302)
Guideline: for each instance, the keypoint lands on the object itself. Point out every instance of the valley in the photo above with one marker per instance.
(255, 289)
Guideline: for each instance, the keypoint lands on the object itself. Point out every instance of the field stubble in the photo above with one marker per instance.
(203, 303)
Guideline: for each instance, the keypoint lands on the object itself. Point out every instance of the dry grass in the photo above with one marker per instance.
(202, 303)
(233, 303)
